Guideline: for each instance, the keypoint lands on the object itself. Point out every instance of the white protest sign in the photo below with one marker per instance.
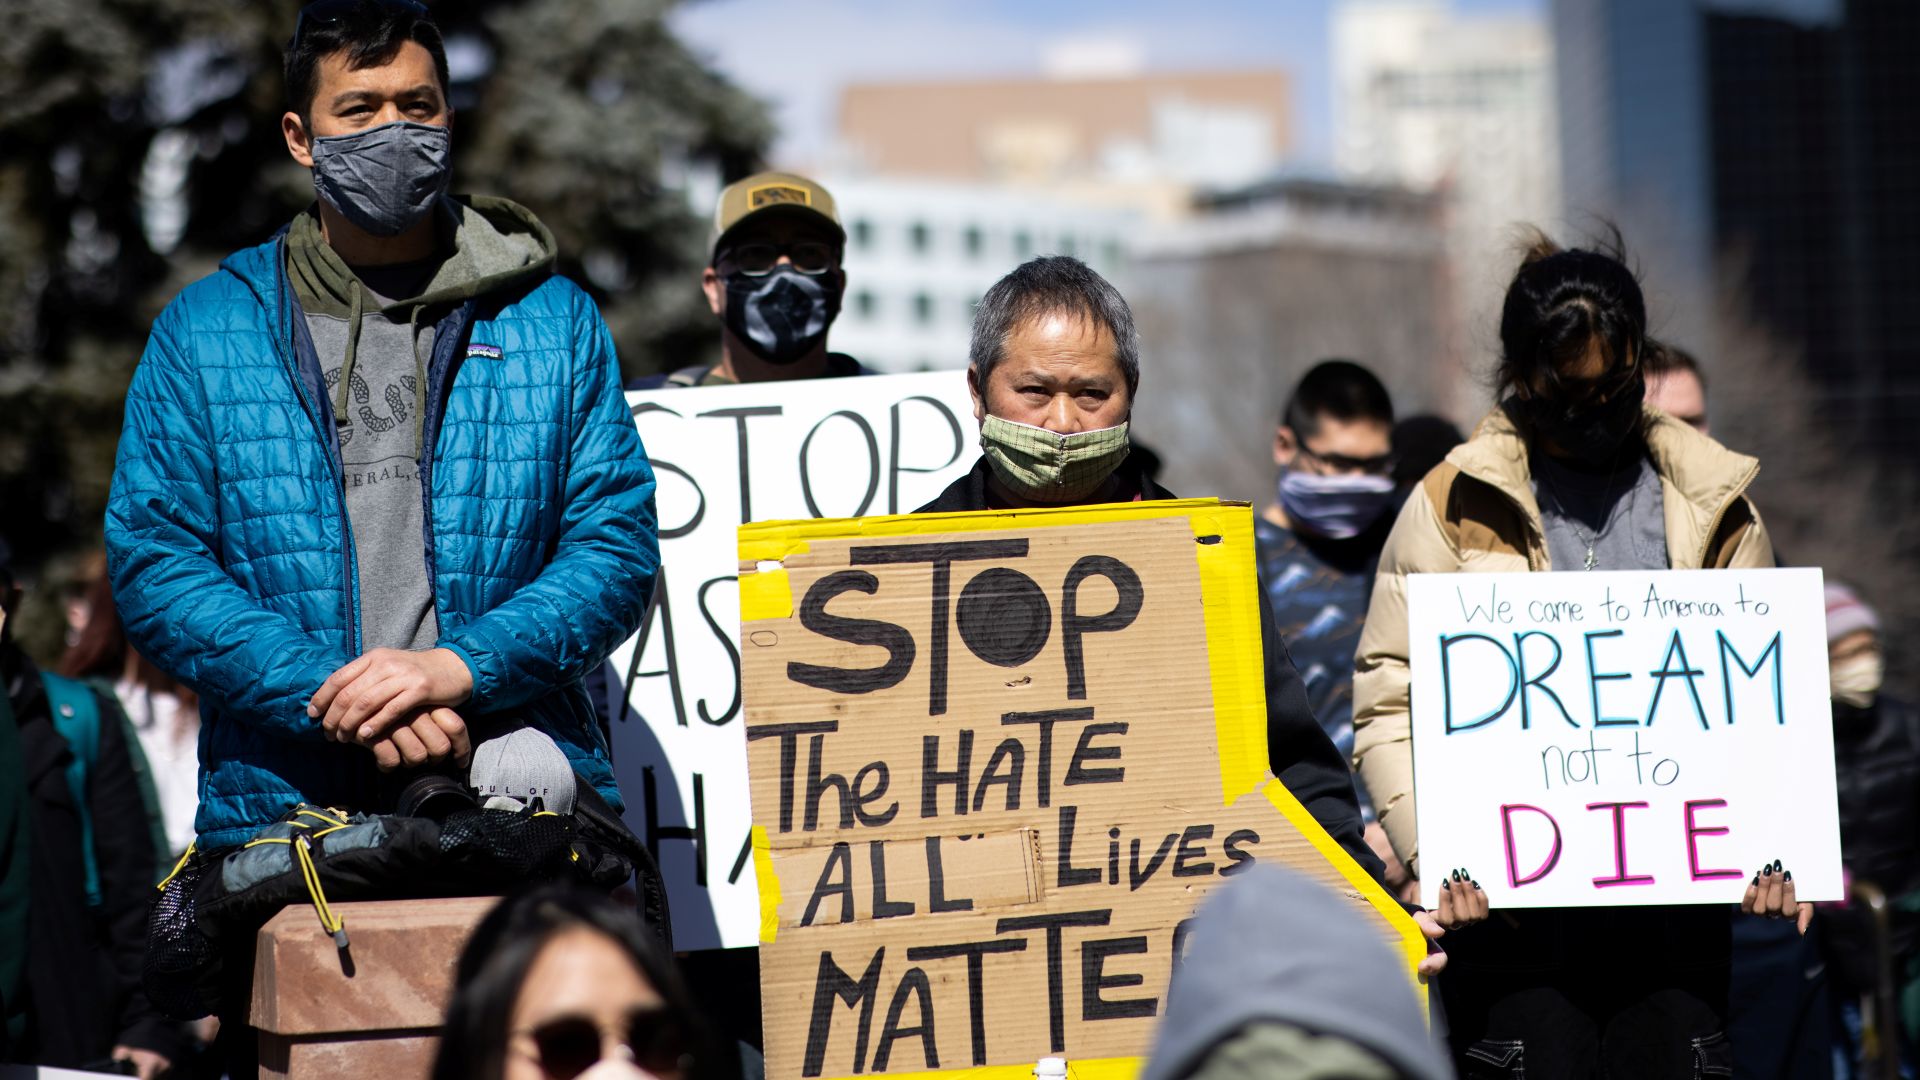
(722, 456)
(1620, 738)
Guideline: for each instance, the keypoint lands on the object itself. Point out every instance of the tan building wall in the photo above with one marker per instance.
(1038, 131)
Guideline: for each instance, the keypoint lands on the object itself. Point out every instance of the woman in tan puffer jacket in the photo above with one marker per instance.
(1570, 472)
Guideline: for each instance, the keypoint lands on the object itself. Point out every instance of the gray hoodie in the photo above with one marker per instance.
(373, 333)
(1283, 978)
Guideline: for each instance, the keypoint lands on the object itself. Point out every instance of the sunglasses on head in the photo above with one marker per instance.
(329, 12)
(570, 1045)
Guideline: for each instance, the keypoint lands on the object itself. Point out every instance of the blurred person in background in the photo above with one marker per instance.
(165, 715)
(1876, 751)
(557, 984)
(1676, 386)
(1320, 538)
(1570, 472)
(16, 868)
(1282, 978)
(88, 877)
(774, 281)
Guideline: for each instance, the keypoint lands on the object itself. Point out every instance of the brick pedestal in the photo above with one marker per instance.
(380, 1016)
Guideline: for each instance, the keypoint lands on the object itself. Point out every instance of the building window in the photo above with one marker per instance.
(862, 234)
(863, 304)
(1023, 245)
(976, 241)
(919, 236)
(922, 308)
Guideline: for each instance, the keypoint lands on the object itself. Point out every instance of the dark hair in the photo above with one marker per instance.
(370, 33)
(1340, 389)
(1563, 304)
(494, 965)
(1419, 444)
(1052, 285)
(1666, 359)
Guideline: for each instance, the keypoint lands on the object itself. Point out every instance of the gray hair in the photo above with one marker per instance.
(1052, 285)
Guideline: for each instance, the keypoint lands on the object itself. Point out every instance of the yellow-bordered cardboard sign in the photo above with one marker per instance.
(996, 759)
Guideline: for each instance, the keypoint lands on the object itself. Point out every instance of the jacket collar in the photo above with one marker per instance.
(1701, 478)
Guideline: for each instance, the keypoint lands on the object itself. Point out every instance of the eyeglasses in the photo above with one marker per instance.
(567, 1046)
(329, 12)
(1341, 463)
(810, 257)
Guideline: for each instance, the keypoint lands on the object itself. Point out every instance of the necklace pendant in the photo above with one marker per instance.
(1591, 561)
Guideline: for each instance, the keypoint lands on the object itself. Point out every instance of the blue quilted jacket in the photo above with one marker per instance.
(232, 561)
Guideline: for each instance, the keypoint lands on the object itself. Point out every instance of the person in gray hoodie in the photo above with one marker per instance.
(1313, 994)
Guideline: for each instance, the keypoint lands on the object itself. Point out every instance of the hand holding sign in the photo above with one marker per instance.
(1771, 893)
(1462, 901)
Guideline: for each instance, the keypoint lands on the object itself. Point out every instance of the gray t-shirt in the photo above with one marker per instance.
(1620, 513)
(382, 474)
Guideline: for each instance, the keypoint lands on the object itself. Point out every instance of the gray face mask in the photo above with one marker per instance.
(383, 179)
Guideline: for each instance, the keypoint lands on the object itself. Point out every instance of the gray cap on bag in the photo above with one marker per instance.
(522, 767)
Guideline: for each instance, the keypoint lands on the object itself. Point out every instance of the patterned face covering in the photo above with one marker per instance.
(1038, 464)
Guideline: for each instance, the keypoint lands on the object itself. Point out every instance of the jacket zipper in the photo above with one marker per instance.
(350, 582)
(460, 322)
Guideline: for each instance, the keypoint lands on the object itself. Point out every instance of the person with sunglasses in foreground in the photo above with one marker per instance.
(775, 283)
(559, 983)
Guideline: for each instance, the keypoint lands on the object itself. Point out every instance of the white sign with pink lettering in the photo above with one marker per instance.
(1620, 738)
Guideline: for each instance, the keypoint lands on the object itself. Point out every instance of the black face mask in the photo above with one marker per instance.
(783, 314)
(1593, 433)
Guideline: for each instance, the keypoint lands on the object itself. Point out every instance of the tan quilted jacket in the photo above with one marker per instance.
(1475, 513)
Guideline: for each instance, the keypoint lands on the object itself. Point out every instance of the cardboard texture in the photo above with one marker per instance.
(724, 455)
(1621, 738)
(382, 1019)
(996, 760)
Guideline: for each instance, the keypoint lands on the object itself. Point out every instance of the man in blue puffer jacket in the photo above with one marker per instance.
(377, 485)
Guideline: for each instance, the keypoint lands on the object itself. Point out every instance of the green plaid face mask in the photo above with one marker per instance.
(1037, 464)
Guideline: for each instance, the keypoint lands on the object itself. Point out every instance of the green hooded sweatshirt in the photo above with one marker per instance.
(373, 330)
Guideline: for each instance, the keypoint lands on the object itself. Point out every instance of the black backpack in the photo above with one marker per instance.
(317, 855)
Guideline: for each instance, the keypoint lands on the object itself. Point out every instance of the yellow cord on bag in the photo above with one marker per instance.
(302, 843)
(177, 867)
(331, 923)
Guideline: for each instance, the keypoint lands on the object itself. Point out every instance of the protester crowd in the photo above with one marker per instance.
(380, 513)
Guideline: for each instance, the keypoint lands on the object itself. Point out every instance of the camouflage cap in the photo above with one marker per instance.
(767, 191)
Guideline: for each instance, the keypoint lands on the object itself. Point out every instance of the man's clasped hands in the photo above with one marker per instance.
(399, 705)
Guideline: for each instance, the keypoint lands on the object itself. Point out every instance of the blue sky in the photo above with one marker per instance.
(797, 56)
